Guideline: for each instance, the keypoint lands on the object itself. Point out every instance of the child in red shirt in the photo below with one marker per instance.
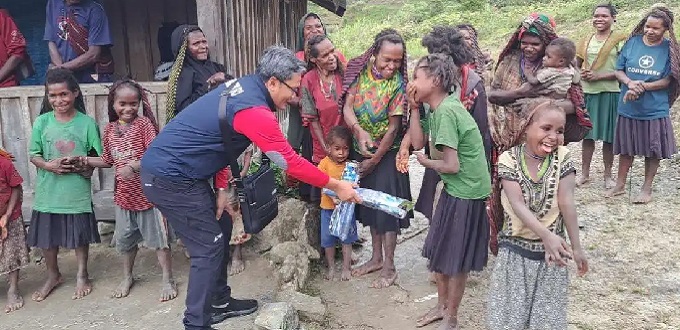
(126, 138)
(13, 248)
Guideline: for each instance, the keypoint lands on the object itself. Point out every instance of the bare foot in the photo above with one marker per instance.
(52, 283)
(367, 268)
(643, 198)
(616, 191)
(582, 180)
(346, 274)
(609, 183)
(83, 287)
(449, 324)
(123, 289)
(237, 267)
(168, 291)
(433, 315)
(14, 301)
(386, 279)
(330, 274)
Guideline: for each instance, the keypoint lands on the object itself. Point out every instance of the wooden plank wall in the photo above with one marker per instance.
(239, 30)
(21, 105)
(134, 25)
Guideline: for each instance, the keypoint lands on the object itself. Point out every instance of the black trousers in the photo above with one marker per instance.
(189, 206)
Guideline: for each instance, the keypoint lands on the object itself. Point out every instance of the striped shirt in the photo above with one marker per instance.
(122, 148)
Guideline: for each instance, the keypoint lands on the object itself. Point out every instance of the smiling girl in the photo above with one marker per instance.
(456, 243)
(62, 209)
(529, 281)
(126, 138)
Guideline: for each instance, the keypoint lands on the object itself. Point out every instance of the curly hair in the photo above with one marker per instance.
(449, 41)
(62, 76)
(666, 15)
(340, 132)
(609, 6)
(142, 97)
(565, 48)
(441, 67)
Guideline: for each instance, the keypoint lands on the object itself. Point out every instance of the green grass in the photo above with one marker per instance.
(495, 19)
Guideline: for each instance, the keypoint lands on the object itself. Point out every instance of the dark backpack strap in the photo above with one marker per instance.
(227, 131)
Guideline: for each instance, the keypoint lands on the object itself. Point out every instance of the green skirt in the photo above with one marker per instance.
(602, 109)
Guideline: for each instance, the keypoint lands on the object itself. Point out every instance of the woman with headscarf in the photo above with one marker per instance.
(596, 56)
(193, 74)
(524, 53)
(374, 104)
(649, 72)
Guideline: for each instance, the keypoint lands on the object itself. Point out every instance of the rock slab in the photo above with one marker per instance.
(278, 316)
(310, 308)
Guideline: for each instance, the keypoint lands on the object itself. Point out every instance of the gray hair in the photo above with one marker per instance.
(279, 62)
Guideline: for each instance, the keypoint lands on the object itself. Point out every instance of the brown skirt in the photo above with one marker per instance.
(13, 249)
(649, 138)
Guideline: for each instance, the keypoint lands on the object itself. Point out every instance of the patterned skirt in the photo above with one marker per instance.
(526, 294)
(649, 138)
(13, 249)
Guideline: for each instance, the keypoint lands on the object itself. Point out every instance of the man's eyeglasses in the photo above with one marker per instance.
(294, 90)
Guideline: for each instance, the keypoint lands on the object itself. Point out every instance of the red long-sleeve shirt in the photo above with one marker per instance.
(260, 126)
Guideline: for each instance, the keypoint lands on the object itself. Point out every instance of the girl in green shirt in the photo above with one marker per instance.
(62, 209)
(459, 232)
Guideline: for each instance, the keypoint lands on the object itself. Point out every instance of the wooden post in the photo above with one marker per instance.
(210, 20)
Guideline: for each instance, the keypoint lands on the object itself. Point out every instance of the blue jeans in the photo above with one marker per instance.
(328, 240)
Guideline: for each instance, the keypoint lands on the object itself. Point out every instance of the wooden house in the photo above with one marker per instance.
(238, 31)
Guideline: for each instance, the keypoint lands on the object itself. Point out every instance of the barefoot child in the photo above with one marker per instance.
(13, 249)
(339, 139)
(62, 209)
(529, 281)
(126, 137)
(238, 233)
(459, 232)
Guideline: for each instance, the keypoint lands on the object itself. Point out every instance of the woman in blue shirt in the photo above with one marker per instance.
(649, 70)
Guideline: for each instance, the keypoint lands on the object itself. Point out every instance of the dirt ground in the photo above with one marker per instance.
(634, 281)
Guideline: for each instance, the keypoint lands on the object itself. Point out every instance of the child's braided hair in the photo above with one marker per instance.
(143, 97)
(176, 72)
(62, 76)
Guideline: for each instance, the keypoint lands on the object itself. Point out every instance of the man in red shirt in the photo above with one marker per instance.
(12, 49)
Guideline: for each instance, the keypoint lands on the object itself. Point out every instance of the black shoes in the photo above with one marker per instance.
(233, 308)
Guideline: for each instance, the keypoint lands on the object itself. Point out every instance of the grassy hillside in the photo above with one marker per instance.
(495, 19)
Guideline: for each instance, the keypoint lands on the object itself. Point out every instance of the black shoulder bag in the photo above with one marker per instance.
(256, 192)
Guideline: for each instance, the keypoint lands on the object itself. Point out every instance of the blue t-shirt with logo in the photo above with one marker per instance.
(648, 64)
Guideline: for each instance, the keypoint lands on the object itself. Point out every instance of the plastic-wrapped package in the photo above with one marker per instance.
(394, 206)
(342, 219)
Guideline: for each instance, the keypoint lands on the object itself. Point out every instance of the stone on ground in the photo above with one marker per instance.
(290, 261)
(278, 316)
(283, 227)
(310, 308)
